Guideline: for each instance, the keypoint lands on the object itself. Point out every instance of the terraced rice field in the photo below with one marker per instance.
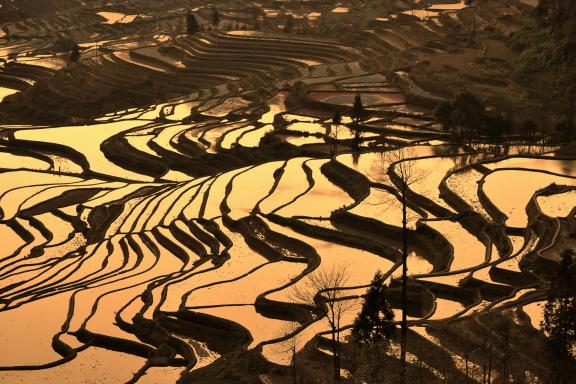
(161, 198)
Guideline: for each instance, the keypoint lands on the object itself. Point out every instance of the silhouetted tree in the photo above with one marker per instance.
(290, 345)
(215, 18)
(443, 115)
(74, 53)
(325, 287)
(162, 115)
(357, 117)
(489, 367)
(465, 112)
(374, 323)
(357, 109)
(496, 125)
(192, 25)
(559, 324)
(530, 128)
(406, 174)
(337, 118)
(468, 111)
(566, 130)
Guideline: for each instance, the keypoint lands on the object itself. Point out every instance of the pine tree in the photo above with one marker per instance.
(374, 323)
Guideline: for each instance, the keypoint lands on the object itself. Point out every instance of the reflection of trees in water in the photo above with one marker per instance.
(567, 166)
(469, 158)
(446, 150)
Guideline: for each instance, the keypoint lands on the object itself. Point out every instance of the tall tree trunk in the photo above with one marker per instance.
(338, 361)
(294, 363)
(489, 365)
(334, 363)
(404, 324)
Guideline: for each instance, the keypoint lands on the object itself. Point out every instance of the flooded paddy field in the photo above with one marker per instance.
(165, 194)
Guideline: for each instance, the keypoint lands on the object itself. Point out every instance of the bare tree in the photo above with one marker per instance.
(407, 174)
(290, 345)
(323, 290)
(403, 172)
